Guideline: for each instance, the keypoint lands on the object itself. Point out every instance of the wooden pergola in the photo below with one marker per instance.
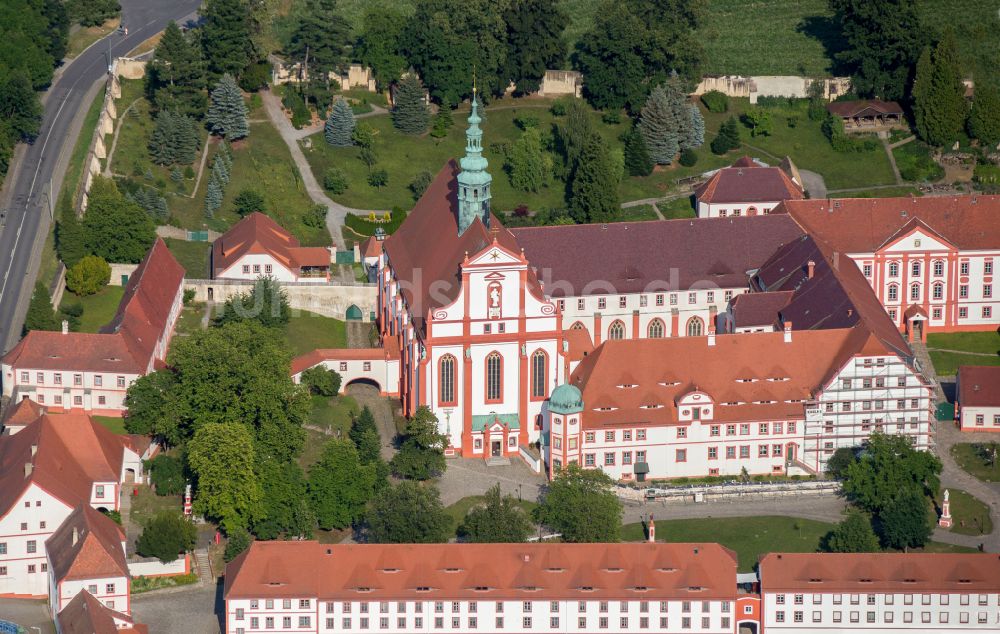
(868, 114)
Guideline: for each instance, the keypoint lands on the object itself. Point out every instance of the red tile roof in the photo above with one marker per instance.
(864, 108)
(126, 345)
(481, 571)
(86, 615)
(427, 249)
(880, 572)
(311, 359)
(88, 545)
(371, 248)
(748, 182)
(662, 372)
(634, 257)
(258, 234)
(67, 454)
(978, 386)
(21, 413)
(759, 309)
(863, 225)
(580, 343)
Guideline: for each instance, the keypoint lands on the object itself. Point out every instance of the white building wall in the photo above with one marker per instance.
(65, 389)
(969, 418)
(113, 592)
(260, 264)
(723, 210)
(20, 526)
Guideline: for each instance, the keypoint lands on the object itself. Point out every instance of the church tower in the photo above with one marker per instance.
(473, 181)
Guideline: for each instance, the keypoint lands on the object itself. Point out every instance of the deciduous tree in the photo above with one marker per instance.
(89, 275)
(221, 455)
(407, 513)
(527, 162)
(321, 381)
(378, 46)
(284, 510)
(498, 519)
(889, 465)
(167, 475)
(166, 537)
(903, 521)
(249, 201)
(340, 485)
(853, 535)
(116, 228)
(421, 452)
(580, 504)
(534, 42)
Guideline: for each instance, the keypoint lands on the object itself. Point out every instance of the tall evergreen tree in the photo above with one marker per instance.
(40, 315)
(665, 122)
(162, 140)
(324, 33)
(339, 128)
(637, 159)
(219, 171)
(227, 36)
(883, 40)
(227, 114)
(534, 41)
(213, 197)
(409, 112)
(378, 46)
(176, 77)
(71, 238)
(939, 107)
(694, 134)
(984, 118)
(728, 138)
(526, 162)
(594, 188)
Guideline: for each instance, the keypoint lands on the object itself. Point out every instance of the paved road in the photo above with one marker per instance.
(41, 166)
(193, 609)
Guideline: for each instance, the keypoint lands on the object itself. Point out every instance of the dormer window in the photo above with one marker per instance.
(423, 589)
(586, 588)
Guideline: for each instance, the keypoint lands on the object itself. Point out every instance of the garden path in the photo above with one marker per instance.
(892, 160)
(114, 139)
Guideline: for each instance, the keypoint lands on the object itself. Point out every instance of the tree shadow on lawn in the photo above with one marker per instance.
(825, 30)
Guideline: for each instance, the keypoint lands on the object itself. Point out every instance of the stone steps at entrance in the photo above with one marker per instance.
(497, 461)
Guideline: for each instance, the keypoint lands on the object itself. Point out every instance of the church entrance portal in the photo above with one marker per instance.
(496, 448)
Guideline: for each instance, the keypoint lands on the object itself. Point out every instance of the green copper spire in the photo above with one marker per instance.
(473, 181)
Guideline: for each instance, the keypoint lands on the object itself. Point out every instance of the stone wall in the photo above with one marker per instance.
(329, 300)
(117, 270)
(772, 86)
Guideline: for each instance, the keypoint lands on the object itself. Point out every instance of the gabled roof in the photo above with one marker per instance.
(721, 372)
(259, 234)
(21, 413)
(518, 571)
(979, 386)
(748, 182)
(371, 247)
(880, 572)
(310, 359)
(86, 615)
(88, 545)
(863, 225)
(68, 453)
(864, 108)
(651, 256)
(758, 309)
(127, 344)
(427, 249)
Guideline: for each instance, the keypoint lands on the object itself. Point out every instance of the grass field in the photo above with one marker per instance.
(307, 331)
(193, 256)
(885, 192)
(312, 449)
(458, 510)
(333, 413)
(147, 504)
(115, 424)
(751, 537)
(190, 319)
(970, 515)
(971, 457)
(946, 363)
(98, 309)
(260, 162)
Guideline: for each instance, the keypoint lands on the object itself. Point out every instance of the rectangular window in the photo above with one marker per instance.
(713, 453)
(626, 457)
(988, 267)
(714, 430)
(256, 268)
(692, 298)
(602, 303)
(642, 301)
(588, 460)
(33, 547)
(867, 270)
(744, 451)
(98, 380)
(609, 436)
(681, 455)
(609, 459)
(622, 302)
(659, 299)
(640, 434)
(730, 452)
(987, 312)
(246, 268)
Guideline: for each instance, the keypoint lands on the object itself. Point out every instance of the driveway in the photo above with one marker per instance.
(193, 609)
(383, 410)
(31, 614)
(813, 183)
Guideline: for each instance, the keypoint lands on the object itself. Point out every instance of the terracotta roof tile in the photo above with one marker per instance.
(759, 309)
(310, 359)
(88, 545)
(862, 225)
(864, 107)
(259, 234)
(21, 413)
(518, 570)
(86, 615)
(880, 572)
(978, 386)
(746, 181)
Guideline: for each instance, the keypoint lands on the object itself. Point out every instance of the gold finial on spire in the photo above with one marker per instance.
(473, 80)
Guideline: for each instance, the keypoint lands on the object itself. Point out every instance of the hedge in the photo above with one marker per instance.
(363, 225)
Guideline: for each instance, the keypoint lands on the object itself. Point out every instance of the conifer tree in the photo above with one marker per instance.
(665, 121)
(226, 37)
(213, 197)
(187, 143)
(695, 133)
(984, 119)
(40, 315)
(219, 171)
(594, 189)
(637, 159)
(227, 114)
(162, 140)
(939, 109)
(409, 113)
(176, 78)
(527, 162)
(728, 137)
(339, 125)
(71, 238)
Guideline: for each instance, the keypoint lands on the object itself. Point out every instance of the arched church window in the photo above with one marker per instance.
(539, 371)
(655, 329)
(446, 379)
(695, 327)
(616, 330)
(494, 376)
(577, 326)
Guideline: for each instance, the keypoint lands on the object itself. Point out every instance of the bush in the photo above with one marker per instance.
(237, 542)
(188, 296)
(88, 276)
(293, 101)
(315, 217)
(558, 108)
(420, 184)
(833, 128)
(166, 536)
(335, 181)
(115, 516)
(526, 121)
(249, 201)
(366, 225)
(255, 76)
(379, 178)
(321, 381)
(167, 475)
(688, 158)
(715, 101)
(612, 118)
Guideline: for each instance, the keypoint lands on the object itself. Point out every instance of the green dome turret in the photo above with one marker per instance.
(473, 181)
(566, 399)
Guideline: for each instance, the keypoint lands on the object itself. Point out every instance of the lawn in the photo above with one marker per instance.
(193, 256)
(970, 516)
(752, 537)
(458, 510)
(98, 309)
(147, 504)
(946, 363)
(312, 449)
(972, 457)
(260, 162)
(115, 424)
(638, 213)
(190, 319)
(333, 413)
(886, 192)
(678, 208)
(307, 331)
